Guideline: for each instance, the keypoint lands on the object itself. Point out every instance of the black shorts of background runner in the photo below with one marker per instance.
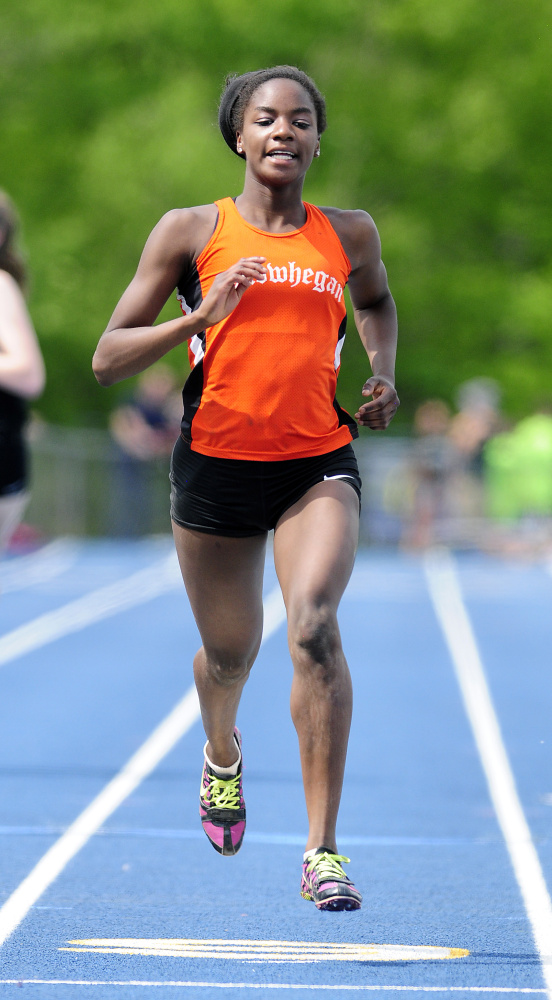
(226, 496)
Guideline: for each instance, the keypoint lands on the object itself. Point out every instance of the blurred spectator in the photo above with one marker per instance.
(519, 470)
(143, 429)
(430, 466)
(22, 375)
(477, 421)
(479, 394)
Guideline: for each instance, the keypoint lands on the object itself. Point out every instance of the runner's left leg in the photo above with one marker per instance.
(314, 548)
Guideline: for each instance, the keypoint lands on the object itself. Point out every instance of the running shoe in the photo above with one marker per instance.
(326, 884)
(222, 807)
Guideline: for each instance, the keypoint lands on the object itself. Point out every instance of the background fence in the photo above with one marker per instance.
(83, 484)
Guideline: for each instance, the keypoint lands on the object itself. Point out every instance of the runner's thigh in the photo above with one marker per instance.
(223, 577)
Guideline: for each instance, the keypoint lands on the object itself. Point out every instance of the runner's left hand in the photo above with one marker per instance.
(379, 412)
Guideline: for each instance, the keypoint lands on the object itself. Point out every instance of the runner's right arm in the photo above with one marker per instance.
(131, 343)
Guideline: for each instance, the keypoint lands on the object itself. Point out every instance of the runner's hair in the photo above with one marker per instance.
(239, 89)
(11, 260)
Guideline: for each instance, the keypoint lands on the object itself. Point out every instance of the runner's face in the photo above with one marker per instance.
(279, 135)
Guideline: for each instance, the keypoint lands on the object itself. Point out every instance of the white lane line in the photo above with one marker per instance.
(142, 586)
(501, 990)
(257, 952)
(451, 613)
(141, 764)
(38, 567)
(116, 791)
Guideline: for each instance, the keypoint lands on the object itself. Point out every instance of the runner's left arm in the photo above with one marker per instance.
(376, 320)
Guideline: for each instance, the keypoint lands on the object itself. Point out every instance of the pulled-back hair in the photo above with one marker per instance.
(238, 92)
(11, 260)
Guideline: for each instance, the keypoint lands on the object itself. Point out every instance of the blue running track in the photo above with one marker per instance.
(108, 887)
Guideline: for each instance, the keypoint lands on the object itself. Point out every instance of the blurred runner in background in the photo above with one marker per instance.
(22, 375)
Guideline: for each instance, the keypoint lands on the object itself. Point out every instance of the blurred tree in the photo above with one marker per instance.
(439, 126)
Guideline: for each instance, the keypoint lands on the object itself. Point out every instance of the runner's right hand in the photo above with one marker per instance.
(229, 287)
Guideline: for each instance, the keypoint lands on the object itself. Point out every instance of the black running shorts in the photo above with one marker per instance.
(228, 496)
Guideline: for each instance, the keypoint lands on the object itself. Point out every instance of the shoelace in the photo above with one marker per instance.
(327, 866)
(224, 793)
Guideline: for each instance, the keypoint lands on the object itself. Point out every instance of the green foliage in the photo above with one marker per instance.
(439, 125)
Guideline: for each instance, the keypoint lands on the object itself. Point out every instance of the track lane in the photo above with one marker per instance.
(434, 876)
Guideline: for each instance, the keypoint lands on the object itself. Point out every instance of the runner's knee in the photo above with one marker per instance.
(314, 639)
(229, 666)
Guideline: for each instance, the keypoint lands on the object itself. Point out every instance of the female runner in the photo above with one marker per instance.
(264, 443)
(22, 374)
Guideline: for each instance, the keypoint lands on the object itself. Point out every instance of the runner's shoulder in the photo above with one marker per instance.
(187, 230)
(350, 221)
(356, 229)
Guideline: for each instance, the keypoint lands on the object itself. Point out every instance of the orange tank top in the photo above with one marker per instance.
(263, 381)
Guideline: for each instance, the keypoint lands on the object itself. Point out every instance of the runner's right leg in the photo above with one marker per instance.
(223, 578)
